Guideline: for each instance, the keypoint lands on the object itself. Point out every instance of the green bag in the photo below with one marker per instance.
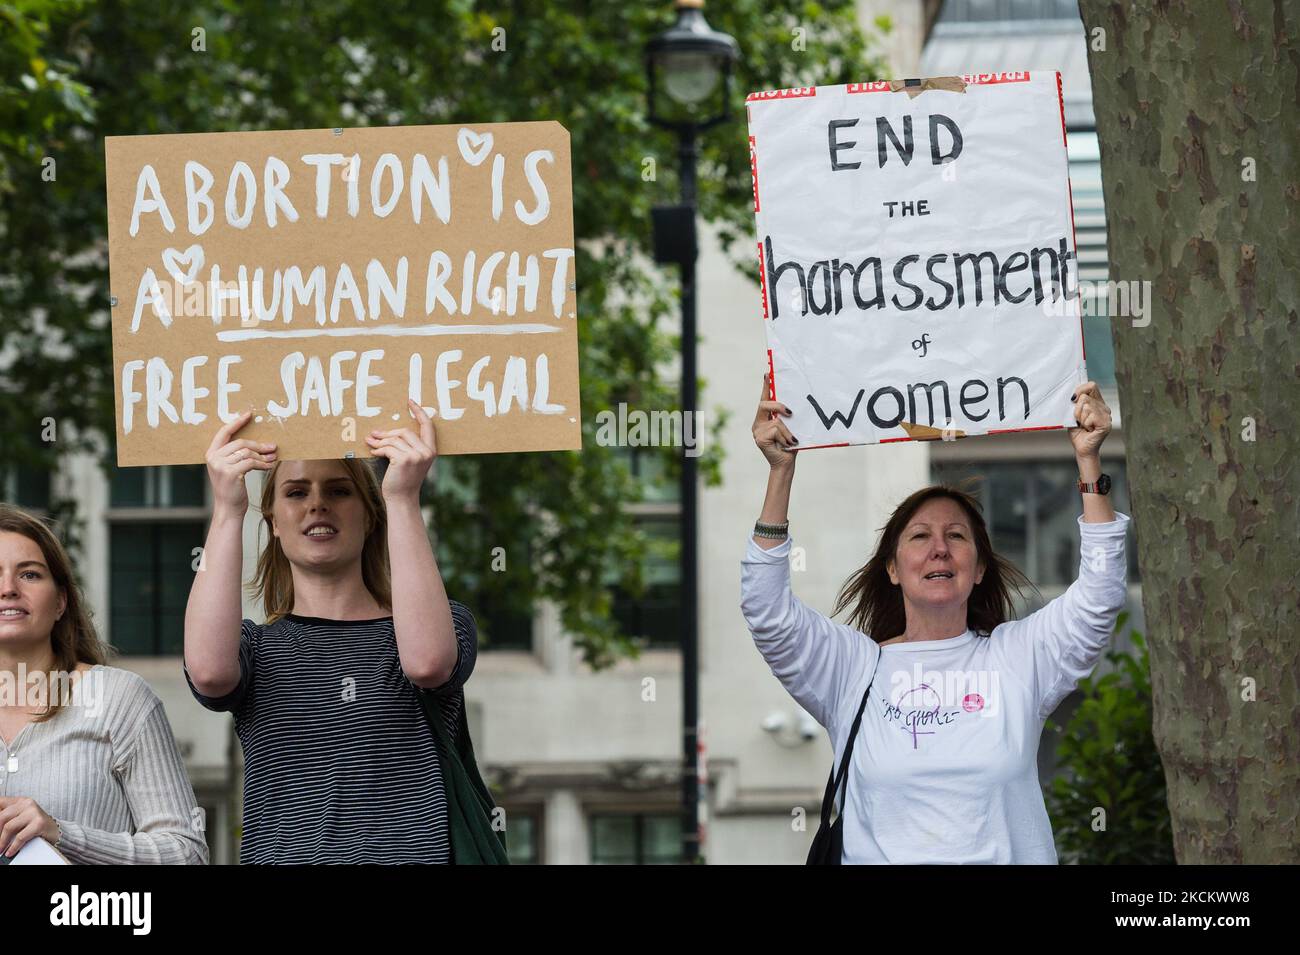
(469, 803)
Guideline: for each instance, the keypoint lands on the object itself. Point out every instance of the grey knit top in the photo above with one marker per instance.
(107, 769)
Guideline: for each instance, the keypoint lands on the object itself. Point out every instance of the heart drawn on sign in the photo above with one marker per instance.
(474, 147)
(192, 257)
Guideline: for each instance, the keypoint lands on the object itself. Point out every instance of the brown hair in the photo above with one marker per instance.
(73, 638)
(876, 602)
(273, 579)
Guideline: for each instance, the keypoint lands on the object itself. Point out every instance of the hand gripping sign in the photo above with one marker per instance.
(320, 277)
(917, 258)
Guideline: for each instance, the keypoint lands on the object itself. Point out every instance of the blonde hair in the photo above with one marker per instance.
(273, 580)
(73, 638)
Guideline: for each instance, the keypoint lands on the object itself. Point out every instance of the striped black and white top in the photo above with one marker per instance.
(339, 763)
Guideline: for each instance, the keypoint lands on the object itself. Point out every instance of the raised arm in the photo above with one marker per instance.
(1093, 415)
(778, 446)
(213, 613)
(1060, 644)
(1057, 646)
(815, 658)
(422, 617)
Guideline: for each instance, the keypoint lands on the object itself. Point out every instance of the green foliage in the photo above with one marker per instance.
(75, 72)
(1107, 758)
(41, 104)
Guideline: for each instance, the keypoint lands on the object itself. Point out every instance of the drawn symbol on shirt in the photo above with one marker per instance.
(928, 702)
(972, 702)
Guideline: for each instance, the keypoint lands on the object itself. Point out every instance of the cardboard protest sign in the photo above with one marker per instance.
(320, 277)
(917, 257)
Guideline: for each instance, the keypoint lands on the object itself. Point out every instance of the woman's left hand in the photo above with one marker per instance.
(21, 821)
(1093, 416)
(410, 456)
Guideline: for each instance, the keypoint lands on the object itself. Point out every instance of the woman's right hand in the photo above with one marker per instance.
(229, 460)
(770, 433)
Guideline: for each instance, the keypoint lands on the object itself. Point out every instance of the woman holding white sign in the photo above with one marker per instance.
(348, 701)
(943, 694)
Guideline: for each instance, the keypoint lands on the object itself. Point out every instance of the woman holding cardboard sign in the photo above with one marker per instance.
(348, 701)
(942, 693)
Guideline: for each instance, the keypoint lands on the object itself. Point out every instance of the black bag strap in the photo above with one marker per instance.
(837, 780)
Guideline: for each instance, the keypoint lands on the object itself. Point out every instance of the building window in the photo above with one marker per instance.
(636, 839)
(159, 487)
(523, 828)
(653, 617)
(651, 469)
(991, 11)
(26, 486)
(502, 555)
(1093, 263)
(1031, 508)
(157, 522)
(501, 625)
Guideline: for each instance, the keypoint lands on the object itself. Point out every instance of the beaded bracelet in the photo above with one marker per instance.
(773, 531)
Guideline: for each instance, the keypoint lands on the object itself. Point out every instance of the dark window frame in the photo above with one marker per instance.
(639, 818)
(522, 630)
(953, 471)
(536, 814)
(16, 481)
(155, 514)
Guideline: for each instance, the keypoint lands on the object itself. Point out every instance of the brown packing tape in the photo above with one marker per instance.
(913, 88)
(921, 432)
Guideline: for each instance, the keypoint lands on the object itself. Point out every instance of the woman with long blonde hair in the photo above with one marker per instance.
(340, 764)
(87, 758)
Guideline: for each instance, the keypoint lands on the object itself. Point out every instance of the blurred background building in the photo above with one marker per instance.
(588, 763)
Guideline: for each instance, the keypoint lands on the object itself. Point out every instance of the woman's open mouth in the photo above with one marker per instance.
(321, 531)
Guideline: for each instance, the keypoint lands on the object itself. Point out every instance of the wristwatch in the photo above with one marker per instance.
(1100, 486)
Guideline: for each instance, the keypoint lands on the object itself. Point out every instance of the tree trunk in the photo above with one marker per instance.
(1198, 106)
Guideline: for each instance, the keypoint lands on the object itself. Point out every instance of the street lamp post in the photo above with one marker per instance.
(688, 69)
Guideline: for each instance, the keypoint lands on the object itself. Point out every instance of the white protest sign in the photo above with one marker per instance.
(320, 278)
(917, 257)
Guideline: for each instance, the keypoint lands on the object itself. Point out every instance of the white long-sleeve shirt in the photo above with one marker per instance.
(944, 769)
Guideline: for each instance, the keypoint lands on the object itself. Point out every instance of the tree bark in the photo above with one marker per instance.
(1198, 115)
